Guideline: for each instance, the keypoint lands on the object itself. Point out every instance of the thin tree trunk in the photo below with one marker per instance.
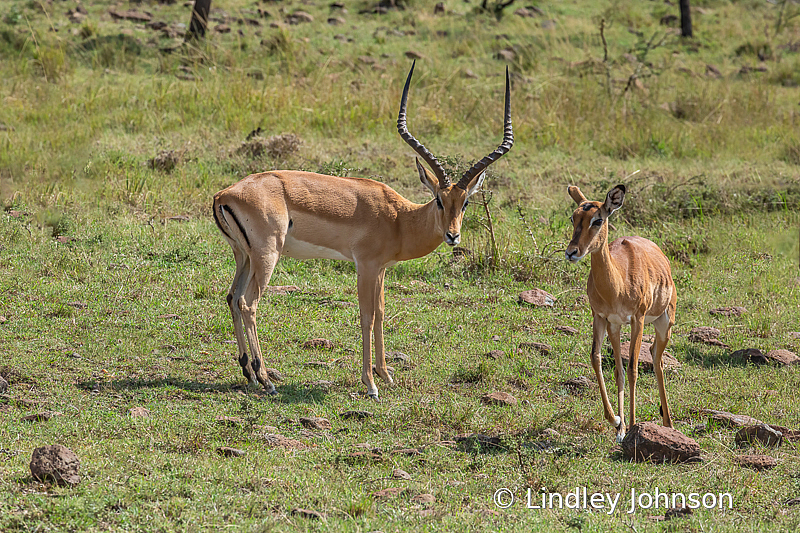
(199, 22)
(686, 19)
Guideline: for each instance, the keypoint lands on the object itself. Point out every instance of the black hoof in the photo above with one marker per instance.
(373, 397)
(272, 393)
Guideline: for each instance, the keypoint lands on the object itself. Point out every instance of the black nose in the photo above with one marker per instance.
(451, 237)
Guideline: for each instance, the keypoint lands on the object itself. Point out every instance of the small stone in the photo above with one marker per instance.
(551, 433)
(540, 347)
(274, 440)
(411, 54)
(358, 415)
(508, 55)
(647, 441)
(792, 334)
(3, 385)
(390, 492)
(438, 9)
(713, 72)
(761, 433)
(756, 462)
(578, 385)
(475, 442)
(299, 17)
(410, 452)
(783, 357)
(400, 474)
(307, 513)
(729, 419)
(336, 21)
(498, 398)
(318, 343)
(135, 16)
(706, 335)
(230, 421)
(537, 298)
(315, 423)
(274, 375)
(317, 364)
(138, 412)
(44, 416)
(55, 463)
(750, 355)
(399, 357)
(496, 338)
(567, 330)
(494, 354)
(677, 512)
(424, 499)
(226, 451)
(728, 311)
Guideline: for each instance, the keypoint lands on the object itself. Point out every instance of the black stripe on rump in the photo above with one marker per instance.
(216, 220)
(228, 209)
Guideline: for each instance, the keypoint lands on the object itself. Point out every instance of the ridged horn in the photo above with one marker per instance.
(508, 142)
(423, 152)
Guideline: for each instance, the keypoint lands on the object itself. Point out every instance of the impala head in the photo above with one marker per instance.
(590, 230)
(452, 200)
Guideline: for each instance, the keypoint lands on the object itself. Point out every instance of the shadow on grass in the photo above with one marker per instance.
(287, 394)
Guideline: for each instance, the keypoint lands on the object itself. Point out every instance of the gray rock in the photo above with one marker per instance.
(55, 463)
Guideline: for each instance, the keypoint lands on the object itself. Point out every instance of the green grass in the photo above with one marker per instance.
(109, 303)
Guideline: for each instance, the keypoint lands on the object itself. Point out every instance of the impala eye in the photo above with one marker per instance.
(464, 208)
(597, 223)
(439, 203)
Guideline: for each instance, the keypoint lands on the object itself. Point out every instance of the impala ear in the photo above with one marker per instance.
(427, 178)
(576, 194)
(475, 184)
(614, 199)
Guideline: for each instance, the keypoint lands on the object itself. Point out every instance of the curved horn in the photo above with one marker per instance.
(423, 152)
(508, 142)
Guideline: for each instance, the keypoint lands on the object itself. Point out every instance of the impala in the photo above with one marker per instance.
(630, 282)
(306, 215)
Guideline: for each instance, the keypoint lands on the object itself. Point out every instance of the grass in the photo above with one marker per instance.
(111, 302)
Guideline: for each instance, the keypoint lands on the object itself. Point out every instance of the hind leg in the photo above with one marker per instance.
(663, 326)
(235, 292)
(261, 269)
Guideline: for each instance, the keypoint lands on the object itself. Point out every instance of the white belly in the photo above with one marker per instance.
(304, 250)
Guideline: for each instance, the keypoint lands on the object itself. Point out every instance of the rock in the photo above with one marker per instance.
(165, 161)
(390, 492)
(794, 335)
(317, 364)
(540, 347)
(750, 355)
(315, 423)
(647, 441)
(537, 297)
(57, 463)
(230, 421)
(551, 433)
(646, 359)
(318, 343)
(678, 512)
(728, 311)
(299, 17)
(275, 440)
(44, 416)
(336, 21)
(705, 335)
(399, 357)
(412, 54)
(400, 474)
(274, 375)
(364, 456)
(438, 9)
(578, 385)
(525, 12)
(281, 289)
(3, 385)
(727, 419)
(226, 451)
(424, 499)
(138, 412)
(307, 513)
(756, 462)
(476, 442)
(567, 330)
(783, 357)
(410, 452)
(498, 398)
(713, 72)
(762, 433)
(135, 16)
(358, 415)
(494, 354)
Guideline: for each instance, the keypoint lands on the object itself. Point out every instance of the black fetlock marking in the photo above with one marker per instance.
(229, 299)
(255, 364)
(661, 410)
(243, 363)
(273, 392)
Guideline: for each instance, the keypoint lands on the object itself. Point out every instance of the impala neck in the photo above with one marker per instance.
(604, 272)
(419, 231)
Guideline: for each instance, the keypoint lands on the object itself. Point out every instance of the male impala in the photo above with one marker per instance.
(305, 215)
(630, 282)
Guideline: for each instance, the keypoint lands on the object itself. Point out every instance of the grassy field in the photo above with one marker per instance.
(114, 136)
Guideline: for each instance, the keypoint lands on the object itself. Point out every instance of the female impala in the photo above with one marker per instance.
(305, 215)
(630, 282)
